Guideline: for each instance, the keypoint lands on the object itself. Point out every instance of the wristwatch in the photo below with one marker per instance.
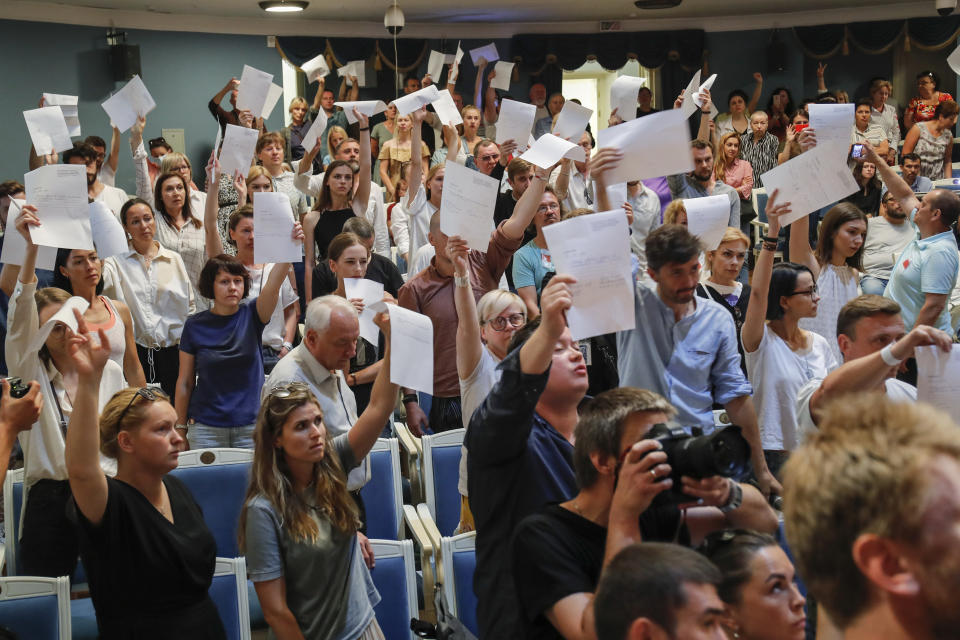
(288, 346)
(735, 499)
(461, 281)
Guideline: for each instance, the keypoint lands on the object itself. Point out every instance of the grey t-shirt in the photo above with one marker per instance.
(329, 589)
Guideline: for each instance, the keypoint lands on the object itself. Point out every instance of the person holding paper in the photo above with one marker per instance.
(736, 172)
(545, 124)
(926, 271)
(484, 330)
(836, 264)
(335, 135)
(300, 533)
(932, 140)
(381, 133)
(739, 107)
(222, 116)
(864, 129)
(106, 166)
(521, 451)
(645, 102)
(84, 154)
(269, 152)
(172, 162)
(781, 356)
(154, 284)
(702, 182)
(572, 179)
(221, 361)
(685, 347)
(398, 151)
(80, 273)
(301, 117)
(379, 269)
(532, 261)
(778, 109)
(143, 539)
(38, 349)
(887, 236)
(929, 96)
(423, 196)
(338, 201)
(178, 228)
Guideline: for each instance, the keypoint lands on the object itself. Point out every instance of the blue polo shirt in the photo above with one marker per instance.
(927, 265)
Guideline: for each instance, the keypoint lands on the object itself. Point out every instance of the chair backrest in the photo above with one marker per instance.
(441, 474)
(229, 592)
(12, 504)
(218, 478)
(383, 496)
(36, 608)
(947, 183)
(395, 577)
(458, 556)
(760, 204)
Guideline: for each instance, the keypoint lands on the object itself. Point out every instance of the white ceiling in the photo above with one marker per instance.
(458, 18)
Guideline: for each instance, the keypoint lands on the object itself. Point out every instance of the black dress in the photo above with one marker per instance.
(329, 225)
(148, 576)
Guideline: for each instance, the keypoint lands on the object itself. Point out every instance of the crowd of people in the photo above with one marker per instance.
(586, 524)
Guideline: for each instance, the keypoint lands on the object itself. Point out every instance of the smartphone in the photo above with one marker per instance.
(856, 151)
(800, 127)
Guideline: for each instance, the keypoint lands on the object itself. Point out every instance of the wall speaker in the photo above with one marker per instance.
(124, 61)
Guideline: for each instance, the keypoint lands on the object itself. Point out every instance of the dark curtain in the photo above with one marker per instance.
(823, 41)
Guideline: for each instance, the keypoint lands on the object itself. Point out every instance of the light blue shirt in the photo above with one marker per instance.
(922, 184)
(692, 362)
(685, 186)
(927, 265)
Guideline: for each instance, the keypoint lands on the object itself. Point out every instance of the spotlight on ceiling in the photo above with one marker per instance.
(283, 6)
(393, 19)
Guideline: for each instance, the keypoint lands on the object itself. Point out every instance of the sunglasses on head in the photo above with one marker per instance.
(143, 392)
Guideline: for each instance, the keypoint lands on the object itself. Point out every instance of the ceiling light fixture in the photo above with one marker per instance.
(283, 6)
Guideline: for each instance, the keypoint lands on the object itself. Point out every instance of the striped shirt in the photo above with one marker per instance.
(762, 155)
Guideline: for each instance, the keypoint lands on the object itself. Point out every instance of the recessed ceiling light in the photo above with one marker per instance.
(283, 6)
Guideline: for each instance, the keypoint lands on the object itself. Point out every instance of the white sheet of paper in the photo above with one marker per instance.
(708, 218)
(515, 122)
(315, 131)
(549, 149)
(273, 222)
(366, 107)
(832, 122)
(64, 315)
(356, 68)
(707, 84)
(15, 247)
(411, 347)
(371, 293)
(938, 379)
(504, 73)
(810, 181)
(655, 145)
(48, 130)
(413, 101)
(618, 194)
(487, 52)
(316, 68)
(273, 96)
(253, 89)
(67, 104)
(131, 101)
(108, 235)
(435, 65)
(603, 294)
(689, 104)
(236, 153)
(572, 121)
(216, 143)
(59, 192)
(458, 56)
(623, 96)
(446, 108)
(467, 204)
(954, 61)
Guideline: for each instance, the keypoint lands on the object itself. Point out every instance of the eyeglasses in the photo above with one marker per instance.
(499, 323)
(812, 291)
(287, 390)
(493, 157)
(553, 206)
(143, 392)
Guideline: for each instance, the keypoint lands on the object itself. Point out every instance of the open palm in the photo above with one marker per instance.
(88, 357)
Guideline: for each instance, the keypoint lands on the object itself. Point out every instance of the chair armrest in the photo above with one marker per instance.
(428, 558)
(413, 450)
(433, 533)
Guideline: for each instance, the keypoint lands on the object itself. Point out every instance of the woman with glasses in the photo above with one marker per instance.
(781, 356)
(148, 553)
(532, 261)
(758, 588)
(38, 348)
(298, 527)
(922, 107)
(484, 330)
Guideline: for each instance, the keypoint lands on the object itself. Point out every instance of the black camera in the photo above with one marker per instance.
(17, 388)
(725, 452)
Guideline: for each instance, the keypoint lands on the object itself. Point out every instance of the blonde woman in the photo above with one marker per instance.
(736, 172)
(335, 135)
(398, 151)
(298, 527)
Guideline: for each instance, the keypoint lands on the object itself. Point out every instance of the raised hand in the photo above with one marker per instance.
(457, 251)
(775, 211)
(88, 358)
(554, 303)
(758, 76)
(27, 218)
(614, 119)
(362, 120)
(240, 184)
(213, 168)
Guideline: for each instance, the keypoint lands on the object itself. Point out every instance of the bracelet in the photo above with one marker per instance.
(410, 397)
(461, 281)
(288, 346)
(768, 246)
(364, 128)
(887, 355)
(771, 238)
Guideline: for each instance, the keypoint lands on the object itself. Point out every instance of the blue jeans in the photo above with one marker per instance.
(202, 436)
(872, 284)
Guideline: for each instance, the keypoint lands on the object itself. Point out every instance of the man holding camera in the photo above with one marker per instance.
(626, 496)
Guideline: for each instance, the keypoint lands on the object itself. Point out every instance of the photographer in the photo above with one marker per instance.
(558, 553)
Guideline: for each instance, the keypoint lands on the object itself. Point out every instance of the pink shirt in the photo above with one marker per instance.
(739, 175)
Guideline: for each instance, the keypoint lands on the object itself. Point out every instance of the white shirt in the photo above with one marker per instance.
(883, 241)
(273, 333)
(107, 175)
(157, 291)
(777, 373)
(897, 391)
(113, 197)
(419, 210)
(646, 218)
(336, 398)
(474, 389)
(43, 445)
(576, 190)
(375, 213)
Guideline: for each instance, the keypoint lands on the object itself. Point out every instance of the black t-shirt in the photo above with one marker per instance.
(148, 576)
(329, 225)
(557, 553)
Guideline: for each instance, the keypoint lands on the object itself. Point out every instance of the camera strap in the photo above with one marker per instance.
(63, 420)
